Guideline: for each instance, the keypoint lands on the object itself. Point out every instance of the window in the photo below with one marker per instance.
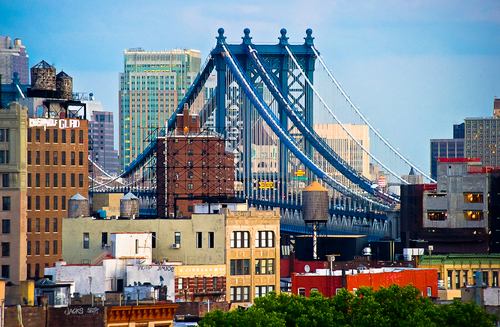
(80, 180)
(473, 197)
(104, 239)
(80, 158)
(37, 202)
(63, 202)
(153, 240)
(55, 136)
(29, 158)
(47, 201)
(450, 274)
(28, 271)
(190, 175)
(485, 278)
(240, 294)
(437, 215)
(2, 135)
(37, 135)
(214, 284)
(473, 215)
(37, 225)
(457, 279)
(240, 267)
(179, 284)
(73, 135)
(263, 290)
(29, 202)
(302, 291)
(136, 246)
(37, 158)
(177, 238)
(63, 158)
(29, 179)
(80, 136)
(47, 247)
(47, 158)
(5, 271)
(37, 180)
(211, 240)
(63, 136)
(199, 238)
(204, 283)
(54, 247)
(54, 161)
(190, 208)
(29, 225)
(37, 247)
(5, 180)
(72, 158)
(47, 225)
(86, 239)
(37, 270)
(6, 203)
(72, 180)
(264, 239)
(28, 248)
(494, 281)
(63, 180)
(5, 249)
(54, 225)
(190, 186)
(190, 164)
(264, 266)
(54, 182)
(29, 134)
(47, 180)
(5, 226)
(189, 152)
(47, 136)
(240, 239)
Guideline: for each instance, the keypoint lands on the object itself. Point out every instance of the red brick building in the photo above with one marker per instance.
(193, 166)
(329, 282)
(57, 166)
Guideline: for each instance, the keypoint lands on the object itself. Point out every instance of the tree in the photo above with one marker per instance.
(393, 306)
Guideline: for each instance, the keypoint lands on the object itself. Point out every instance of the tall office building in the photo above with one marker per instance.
(447, 148)
(481, 136)
(151, 86)
(13, 58)
(101, 142)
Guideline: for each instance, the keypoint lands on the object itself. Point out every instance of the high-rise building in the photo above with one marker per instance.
(101, 137)
(13, 192)
(481, 136)
(151, 86)
(13, 59)
(447, 148)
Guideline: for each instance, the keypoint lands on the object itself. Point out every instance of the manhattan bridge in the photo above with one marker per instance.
(288, 122)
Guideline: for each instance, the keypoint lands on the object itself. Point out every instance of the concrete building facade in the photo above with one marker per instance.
(151, 86)
(199, 240)
(13, 188)
(252, 255)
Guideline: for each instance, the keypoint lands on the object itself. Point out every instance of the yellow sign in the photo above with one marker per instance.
(266, 185)
(300, 172)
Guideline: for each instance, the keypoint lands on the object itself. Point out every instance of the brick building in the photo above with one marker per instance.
(193, 166)
(57, 152)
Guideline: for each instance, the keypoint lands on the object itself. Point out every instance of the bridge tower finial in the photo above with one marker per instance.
(247, 39)
(309, 39)
(283, 38)
(221, 39)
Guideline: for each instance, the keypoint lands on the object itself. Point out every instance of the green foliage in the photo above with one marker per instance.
(393, 306)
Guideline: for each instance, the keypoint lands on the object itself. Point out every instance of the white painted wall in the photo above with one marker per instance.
(132, 245)
(151, 274)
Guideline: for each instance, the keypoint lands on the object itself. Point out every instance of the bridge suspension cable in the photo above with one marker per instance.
(275, 125)
(366, 121)
(338, 120)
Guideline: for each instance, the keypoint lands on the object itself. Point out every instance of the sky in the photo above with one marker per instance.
(414, 67)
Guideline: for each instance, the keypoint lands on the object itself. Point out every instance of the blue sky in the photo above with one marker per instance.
(414, 68)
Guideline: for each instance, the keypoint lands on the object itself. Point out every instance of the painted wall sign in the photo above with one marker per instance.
(59, 123)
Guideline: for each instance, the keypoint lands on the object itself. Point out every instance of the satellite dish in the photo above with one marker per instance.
(307, 268)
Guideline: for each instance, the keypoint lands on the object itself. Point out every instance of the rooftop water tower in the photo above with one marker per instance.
(315, 209)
